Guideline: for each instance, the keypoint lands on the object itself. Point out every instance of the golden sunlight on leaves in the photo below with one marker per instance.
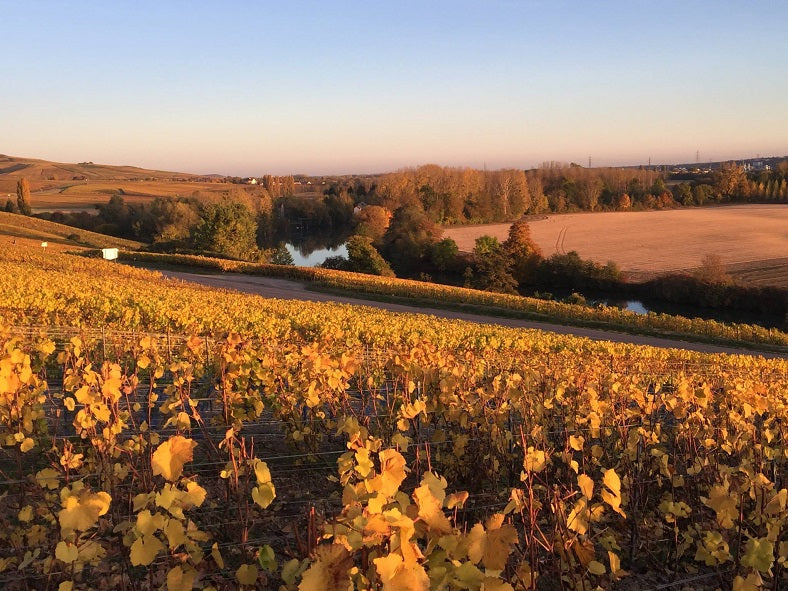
(397, 577)
(81, 512)
(170, 456)
(329, 570)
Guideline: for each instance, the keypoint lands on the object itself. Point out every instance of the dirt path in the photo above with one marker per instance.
(292, 290)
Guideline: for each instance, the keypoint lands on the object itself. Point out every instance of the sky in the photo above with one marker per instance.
(338, 87)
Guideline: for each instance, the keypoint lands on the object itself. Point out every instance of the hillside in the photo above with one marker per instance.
(245, 421)
(34, 169)
(19, 229)
(57, 186)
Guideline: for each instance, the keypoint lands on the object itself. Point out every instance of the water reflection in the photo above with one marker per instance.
(307, 257)
(636, 306)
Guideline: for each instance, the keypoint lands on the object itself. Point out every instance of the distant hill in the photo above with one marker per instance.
(44, 170)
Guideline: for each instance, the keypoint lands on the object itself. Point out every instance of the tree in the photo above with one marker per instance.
(10, 206)
(227, 228)
(444, 255)
(408, 239)
(493, 266)
(282, 256)
(524, 253)
(23, 197)
(712, 270)
(364, 258)
(372, 221)
(623, 201)
(486, 245)
(730, 180)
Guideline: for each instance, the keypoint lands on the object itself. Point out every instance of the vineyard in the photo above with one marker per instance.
(159, 435)
(606, 316)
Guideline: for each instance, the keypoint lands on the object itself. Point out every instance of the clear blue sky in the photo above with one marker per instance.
(319, 87)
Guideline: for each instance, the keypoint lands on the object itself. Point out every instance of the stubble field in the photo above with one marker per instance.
(752, 240)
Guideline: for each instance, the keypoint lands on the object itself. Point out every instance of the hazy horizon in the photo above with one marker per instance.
(328, 88)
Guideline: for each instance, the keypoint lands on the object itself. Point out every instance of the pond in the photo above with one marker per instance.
(305, 257)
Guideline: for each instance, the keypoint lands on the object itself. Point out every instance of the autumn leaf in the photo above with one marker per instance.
(329, 570)
(180, 578)
(491, 547)
(430, 510)
(392, 473)
(81, 512)
(493, 584)
(759, 554)
(724, 504)
(586, 485)
(145, 549)
(170, 456)
(396, 577)
(246, 574)
(596, 568)
(612, 493)
(66, 552)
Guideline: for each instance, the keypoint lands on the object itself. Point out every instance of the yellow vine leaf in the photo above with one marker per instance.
(777, 503)
(579, 517)
(586, 485)
(25, 514)
(147, 524)
(612, 494)
(246, 574)
(759, 554)
(27, 445)
(724, 504)
(584, 550)
(180, 578)
(596, 568)
(176, 535)
(493, 584)
(397, 577)
(65, 586)
(264, 493)
(469, 576)
(194, 496)
(456, 499)
(66, 552)
(491, 547)
(392, 473)
(364, 464)
(145, 549)
(81, 512)
(170, 456)
(329, 571)
(753, 582)
(47, 478)
(430, 509)
(535, 460)
(217, 556)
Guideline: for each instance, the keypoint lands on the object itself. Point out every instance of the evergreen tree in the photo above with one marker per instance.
(23, 197)
(282, 256)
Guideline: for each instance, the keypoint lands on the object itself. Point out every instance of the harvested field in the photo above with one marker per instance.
(86, 195)
(752, 240)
